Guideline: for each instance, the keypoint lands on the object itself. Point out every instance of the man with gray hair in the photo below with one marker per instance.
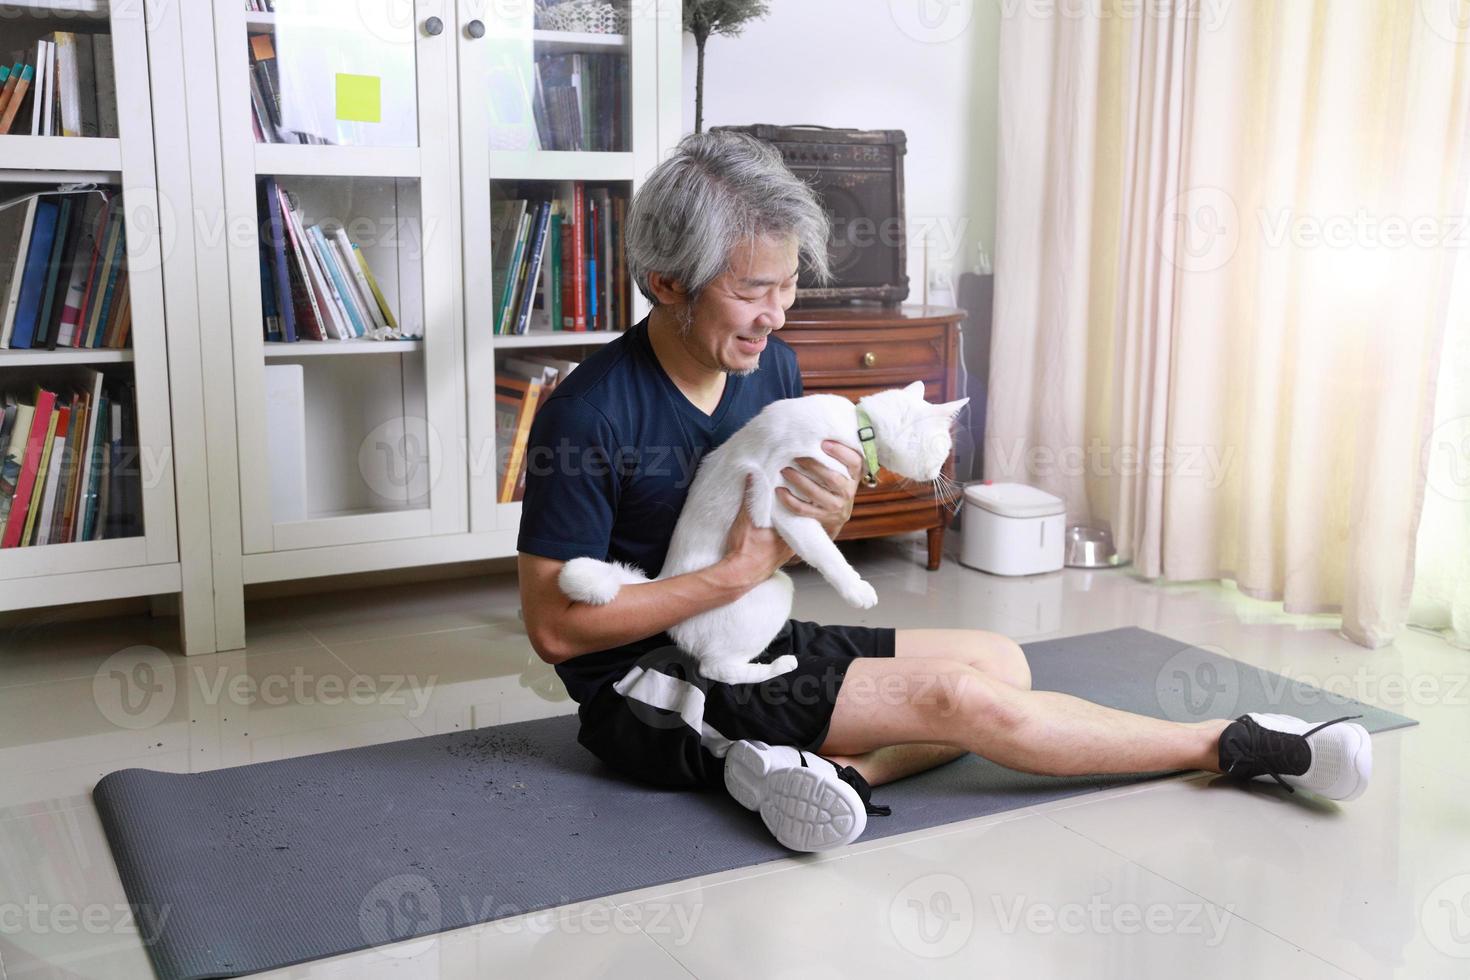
(717, 237)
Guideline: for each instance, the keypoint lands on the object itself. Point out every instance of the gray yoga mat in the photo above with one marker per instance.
(261, 866)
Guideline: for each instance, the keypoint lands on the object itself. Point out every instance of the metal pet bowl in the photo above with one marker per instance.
(1090, 547)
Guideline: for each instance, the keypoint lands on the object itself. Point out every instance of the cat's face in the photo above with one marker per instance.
(913, 437)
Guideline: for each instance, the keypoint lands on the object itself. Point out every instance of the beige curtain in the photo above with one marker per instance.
(1441, 599)
(1224, 243)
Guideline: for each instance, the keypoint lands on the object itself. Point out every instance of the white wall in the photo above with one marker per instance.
(927, 67)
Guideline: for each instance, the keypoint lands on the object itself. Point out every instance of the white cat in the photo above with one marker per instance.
(912, 438)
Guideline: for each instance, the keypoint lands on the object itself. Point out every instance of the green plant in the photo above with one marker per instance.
(704, 18)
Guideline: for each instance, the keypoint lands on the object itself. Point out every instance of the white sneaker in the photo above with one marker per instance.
(804, 800)
(1333, 759)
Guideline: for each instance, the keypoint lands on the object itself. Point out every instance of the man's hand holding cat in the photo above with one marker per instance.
(828, 494)
(752, 554)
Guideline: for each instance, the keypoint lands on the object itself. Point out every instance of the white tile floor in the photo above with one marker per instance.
(1180, 877)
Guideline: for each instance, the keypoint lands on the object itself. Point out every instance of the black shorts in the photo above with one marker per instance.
(664, 723)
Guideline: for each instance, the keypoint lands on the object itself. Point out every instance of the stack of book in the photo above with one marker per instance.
(581, 101)
(69, 463)
(315, 283)
(65, 87)
(559, 265)
(522, 385)
(63, 278)
(265, 96)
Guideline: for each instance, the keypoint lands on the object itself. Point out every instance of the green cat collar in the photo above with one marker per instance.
(869, 440)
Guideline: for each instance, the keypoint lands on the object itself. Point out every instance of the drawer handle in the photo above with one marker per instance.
(870, 359)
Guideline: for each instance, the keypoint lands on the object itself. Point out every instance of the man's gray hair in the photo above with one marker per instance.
(715, 192)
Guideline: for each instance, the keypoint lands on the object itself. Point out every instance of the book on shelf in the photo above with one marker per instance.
(559, 264)
(64, 86)
(579, 101)
(69, 462)
(315, 282)
(63, 275)
(522, 385)
(265, 95)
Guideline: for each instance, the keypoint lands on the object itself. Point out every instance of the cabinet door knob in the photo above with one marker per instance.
(869, 359)
(475, 29)
(433, 26)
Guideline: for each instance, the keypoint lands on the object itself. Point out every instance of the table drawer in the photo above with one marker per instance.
(848, 354)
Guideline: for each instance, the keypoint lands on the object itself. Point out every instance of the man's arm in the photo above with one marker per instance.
(561, 629)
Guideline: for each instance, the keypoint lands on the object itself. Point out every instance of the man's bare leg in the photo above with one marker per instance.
(933, 700)
(993, 654)
(897, 761)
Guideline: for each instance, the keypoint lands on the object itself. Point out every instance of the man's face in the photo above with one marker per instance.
(735, 313)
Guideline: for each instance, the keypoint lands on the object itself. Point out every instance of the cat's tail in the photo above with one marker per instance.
(596, 582)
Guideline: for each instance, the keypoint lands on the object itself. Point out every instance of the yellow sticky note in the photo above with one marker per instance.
(359, 98)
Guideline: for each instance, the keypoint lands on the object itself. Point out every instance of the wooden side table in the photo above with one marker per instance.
(857, 350)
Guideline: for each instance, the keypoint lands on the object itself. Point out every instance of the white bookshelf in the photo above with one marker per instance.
(90, 157)
(556, 338)
(150, 563)
(341, 348)
(378, 419)
(73, 10)
(35, 358)
(368, 407)
(281, 159)
(561, 165)
(514, 36)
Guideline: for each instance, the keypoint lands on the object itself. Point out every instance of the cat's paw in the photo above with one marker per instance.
(859, 595)
(742, 672)
(782, 665)
(589, 580)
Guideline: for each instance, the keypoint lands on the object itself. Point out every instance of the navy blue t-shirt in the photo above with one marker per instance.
(611, 457)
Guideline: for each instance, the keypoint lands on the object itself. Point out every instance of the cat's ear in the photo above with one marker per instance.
(915, 390)
(951, 410)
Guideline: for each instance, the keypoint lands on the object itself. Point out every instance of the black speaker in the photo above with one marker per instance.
(858, 176)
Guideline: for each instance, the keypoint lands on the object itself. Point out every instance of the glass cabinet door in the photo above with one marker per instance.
(86, 461)
(333, 73)
(557, 76)
(557, 122)
(345, 337)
